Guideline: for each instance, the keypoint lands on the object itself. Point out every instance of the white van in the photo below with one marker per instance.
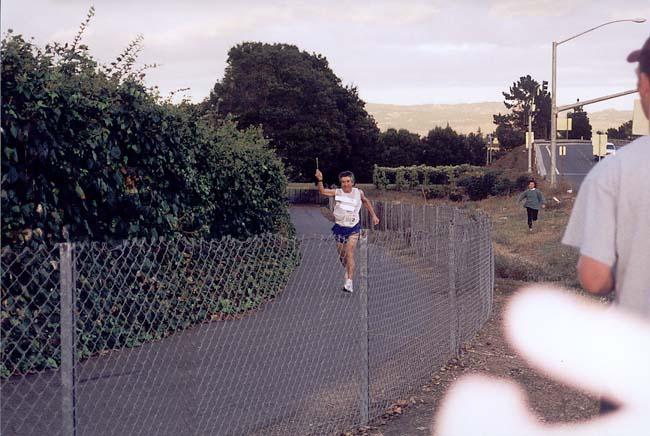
(610, 150)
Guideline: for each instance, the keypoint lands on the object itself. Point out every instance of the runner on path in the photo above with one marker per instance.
(534, 201)
(347, 225)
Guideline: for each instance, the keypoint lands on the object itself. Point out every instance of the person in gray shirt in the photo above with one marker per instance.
(534, 200)
(610, 221)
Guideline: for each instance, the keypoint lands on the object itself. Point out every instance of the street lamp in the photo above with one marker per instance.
(554, 110)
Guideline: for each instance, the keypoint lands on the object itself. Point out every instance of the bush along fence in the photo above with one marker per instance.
(453, 182)
(226, 337)
(132, 292)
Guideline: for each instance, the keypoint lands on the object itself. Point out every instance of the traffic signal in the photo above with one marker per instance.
(544, 86)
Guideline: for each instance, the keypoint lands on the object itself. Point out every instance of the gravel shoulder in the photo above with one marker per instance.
(488, 353)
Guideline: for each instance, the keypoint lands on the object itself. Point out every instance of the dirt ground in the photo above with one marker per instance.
(487, 353)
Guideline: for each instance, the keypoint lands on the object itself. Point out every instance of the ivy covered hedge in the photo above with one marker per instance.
(455, 182)
(176, 283)
(89, 153)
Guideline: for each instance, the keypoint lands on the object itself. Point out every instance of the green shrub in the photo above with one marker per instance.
(456, 195)
(459, 170)
(503, 186)
(411, 177)
(489, 182)
(414, 177)
(379, 178)
(521, 183)
(91, 154)
(246, 183)
(438, 177)
(478, 186)
(437, 191)
(401, 182)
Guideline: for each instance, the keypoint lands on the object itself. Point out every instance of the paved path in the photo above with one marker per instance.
(573, 167)
(293, 367)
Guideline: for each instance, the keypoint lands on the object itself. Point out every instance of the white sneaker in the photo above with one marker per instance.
(347, 287)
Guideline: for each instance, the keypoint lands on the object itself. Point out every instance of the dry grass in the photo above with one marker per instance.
(519, 254)
(531, 256)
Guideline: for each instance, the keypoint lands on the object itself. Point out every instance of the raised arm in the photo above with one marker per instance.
(321, 188)
(368, 204)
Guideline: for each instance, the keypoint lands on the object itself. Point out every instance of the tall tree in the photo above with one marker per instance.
(581, 128)
(400, 148)
(519, 99)
(444, 146)
(508, 135)
(302, 107)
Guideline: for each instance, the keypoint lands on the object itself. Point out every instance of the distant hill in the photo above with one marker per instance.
(466, 117)
(603, 120)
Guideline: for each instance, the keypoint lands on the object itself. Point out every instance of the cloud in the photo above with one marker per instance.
(445, 48)
(533, 8)
(382, 13)
(393, 51)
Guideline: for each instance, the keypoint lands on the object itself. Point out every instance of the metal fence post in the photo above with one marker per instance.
(492, 272)
(454, 333)
(364, 394)
(68, 370)
(437, 237)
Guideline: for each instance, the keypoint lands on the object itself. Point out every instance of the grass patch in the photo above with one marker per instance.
(537, 256)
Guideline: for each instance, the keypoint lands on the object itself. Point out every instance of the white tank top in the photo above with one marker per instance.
(347, 207)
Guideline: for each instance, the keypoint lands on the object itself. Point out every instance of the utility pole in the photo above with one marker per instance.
(529, 136)
(554, 117)
(554, 108)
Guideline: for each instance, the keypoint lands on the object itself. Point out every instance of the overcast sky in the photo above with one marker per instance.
(401, 52)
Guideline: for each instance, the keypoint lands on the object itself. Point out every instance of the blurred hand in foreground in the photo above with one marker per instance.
(580, 343)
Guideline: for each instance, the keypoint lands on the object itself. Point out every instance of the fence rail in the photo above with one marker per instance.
(178, 336)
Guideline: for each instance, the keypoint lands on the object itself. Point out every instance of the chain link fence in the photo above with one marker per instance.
(227, 337)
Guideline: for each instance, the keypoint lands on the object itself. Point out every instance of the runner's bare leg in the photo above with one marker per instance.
(349, 254)
(340, 247)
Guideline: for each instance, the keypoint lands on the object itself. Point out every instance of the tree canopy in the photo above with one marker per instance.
(441, 146)
(302, 107)
(400, 148)
(624, 131)
(91, 153)
(581, 128)
(511, 127)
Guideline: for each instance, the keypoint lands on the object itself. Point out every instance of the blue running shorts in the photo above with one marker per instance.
(342, 234)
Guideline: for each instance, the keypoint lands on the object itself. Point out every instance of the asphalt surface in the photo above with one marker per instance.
(293, 367)
(573, 167)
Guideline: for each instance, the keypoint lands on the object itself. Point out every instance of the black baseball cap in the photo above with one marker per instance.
(642, 56)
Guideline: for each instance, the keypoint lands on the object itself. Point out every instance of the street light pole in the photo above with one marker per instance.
(554, 110)
(554, 116)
